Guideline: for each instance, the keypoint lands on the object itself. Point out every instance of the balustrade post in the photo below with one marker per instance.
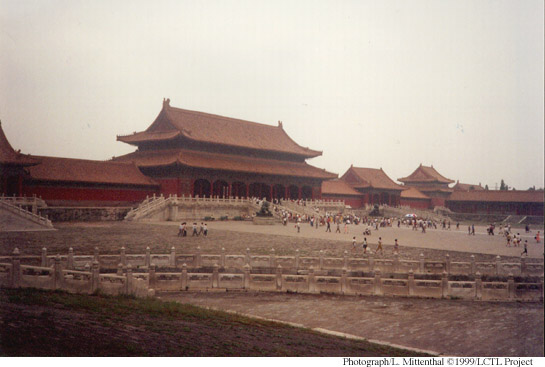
(15, 268)
(511, 286)
(321, 259)
(184, 277)
(522, 266)
(411, 283)
(297, 259)
(444, 285)
(44, 263)
(147, 262)
(57, 273)
(95, 277)
(311, 280)
(371, 261)
(498, 265)
(70, 264)
(478, 286)
(396, 262)
(378, 283)
(152, 270)
(130, 279)
(123, 256)
(215, 276)
(247, 258)
(272, 259)
(119, 269)
(422, 264)
(447, 263)
(96, 255)
(473, 265)
(222, 257)
(198, 260)
(172, 257)
(279, 277)
(344, 288)
(247, 276)
(345, 259)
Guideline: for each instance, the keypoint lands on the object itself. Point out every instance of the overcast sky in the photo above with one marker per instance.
(454, 84)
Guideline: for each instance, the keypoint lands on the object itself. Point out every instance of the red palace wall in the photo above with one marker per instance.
(437, 202)
(416, 204)
(67, 193)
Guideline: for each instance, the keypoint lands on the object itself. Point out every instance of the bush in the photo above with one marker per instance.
(208, 219)
(224, 217)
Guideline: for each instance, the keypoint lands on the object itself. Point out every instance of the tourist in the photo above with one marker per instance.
(525, 248)
(473, 229)
(508, 236)
(457, 225)
(195, 233)
(181, 230)
(298, 225)
(338, 230)
(379, 247)
(328, 229)
(353, 244)
(527, 228)
(201, 229)
(537, 237)
(396, 246)
(364, 245)
(469, 230)
(205, 230)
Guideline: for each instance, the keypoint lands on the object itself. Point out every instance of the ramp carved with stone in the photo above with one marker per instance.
(15, 218)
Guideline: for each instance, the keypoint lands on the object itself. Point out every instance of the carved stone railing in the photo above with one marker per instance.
(201, 276)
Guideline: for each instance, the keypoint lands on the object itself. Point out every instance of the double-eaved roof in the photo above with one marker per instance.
(224, 162)
(424, 174)
(9, 157)
(370, 178)
(176, 123)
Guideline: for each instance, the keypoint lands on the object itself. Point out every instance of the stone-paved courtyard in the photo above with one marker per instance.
(446, 326)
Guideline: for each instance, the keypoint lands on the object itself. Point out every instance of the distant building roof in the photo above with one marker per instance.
(425, 174)
(467, 187)
(413, 193)
(498, 196)
(371, 178)
(8, 156)
(225, 162)
(338, 187)
(81, 170)
(173, 123)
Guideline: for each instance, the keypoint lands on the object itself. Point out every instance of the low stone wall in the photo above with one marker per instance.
(79, 214)
(434, 279)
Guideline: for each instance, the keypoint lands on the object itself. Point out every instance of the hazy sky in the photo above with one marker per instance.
(454, 84)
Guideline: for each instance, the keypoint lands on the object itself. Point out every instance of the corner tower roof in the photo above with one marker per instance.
(172, 123)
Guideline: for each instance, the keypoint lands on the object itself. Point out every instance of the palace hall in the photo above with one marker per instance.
(200, 154)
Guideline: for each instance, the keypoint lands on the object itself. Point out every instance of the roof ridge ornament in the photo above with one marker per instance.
(280, 124)
(166, 102)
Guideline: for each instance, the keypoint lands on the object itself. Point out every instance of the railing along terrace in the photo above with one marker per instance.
(204, 273)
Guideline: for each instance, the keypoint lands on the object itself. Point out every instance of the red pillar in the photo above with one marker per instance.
(299, 193)
(286, 193)
(247, 191)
